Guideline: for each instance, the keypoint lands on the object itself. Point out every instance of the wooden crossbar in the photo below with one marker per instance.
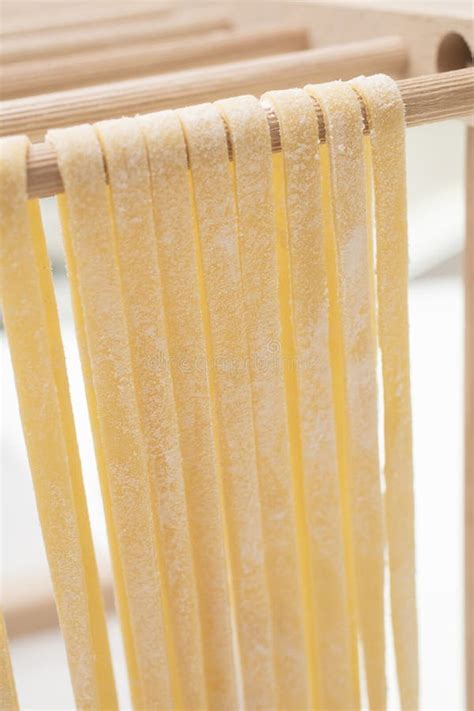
(35, 115)
(427, 99)
(150, 56)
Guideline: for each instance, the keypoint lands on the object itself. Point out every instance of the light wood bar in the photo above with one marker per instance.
(36, 16)
(427, 99)
(33, 116)
(469, 419)
(113, 34)
(58, 73)
(29, 605)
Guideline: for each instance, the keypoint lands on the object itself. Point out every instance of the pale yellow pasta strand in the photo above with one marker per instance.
(95, 265)
(336, 675)
(8, 696)
(291, 387)
(119, 582)
(177, 256)
(249, 131)
(216, 218)
(387, 139)
(358, 434)
(127, 167)
(338, 386)
(32, 326)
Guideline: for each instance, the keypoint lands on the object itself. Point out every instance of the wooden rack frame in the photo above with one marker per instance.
(34, 115)
(418, 38)
(34, 18)
(469, 421)
(427, 99)
(150, 57)
(118, 33)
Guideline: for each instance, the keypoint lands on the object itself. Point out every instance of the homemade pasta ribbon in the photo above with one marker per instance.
(92, 261)
(32, 326)
(177, 255)
(387, 139)
(356, 401)
(335, 681)
(227, 316)
(229, 368)
(251, 147)
(8, 697)
(123, 146)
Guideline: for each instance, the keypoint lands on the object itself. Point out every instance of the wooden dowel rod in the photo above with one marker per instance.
(30, 607)
(469, 420)
(33, 116)
(451, 95)
(33, 18)
(83, 69)
(113, 34)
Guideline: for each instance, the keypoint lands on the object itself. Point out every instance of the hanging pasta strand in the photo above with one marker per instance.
(32, 326)
(357, 403)
(227, 316)
(387, 139)
(125, 154)
(335, 674)
(249, 131)
(291, 388)
(119, 582)
(95, 270)
(8, 696)
(216, 218)
(177, 255)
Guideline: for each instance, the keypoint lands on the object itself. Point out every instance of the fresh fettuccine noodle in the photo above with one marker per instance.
(32, 326)
(357, 406)
(8, 697)
(123, 145)
(175, 236)
(92, 251)
(250, 136)
(335, 684)
(216, 216)
(228, 316)
(387, 139)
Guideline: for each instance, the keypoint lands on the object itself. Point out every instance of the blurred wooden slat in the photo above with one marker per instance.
(427, 99)
(29, 606)
(469, 419)
(35, 17)
(118, 33)
(35, 115)
(79, 70)
(329, 22)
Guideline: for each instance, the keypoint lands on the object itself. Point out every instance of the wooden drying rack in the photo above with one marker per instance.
(213, 44)
(34, 115)
(427, 99)
(408, 42)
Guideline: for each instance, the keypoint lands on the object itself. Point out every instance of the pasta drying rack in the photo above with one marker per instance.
(429, 51)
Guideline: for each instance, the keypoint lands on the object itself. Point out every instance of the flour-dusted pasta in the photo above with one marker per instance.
(182, 283)
(387, 139)
(32, 326)
(8, 696)
(229, 369)
(125, 153)
(227, 314)
(93, 263)
(251, 147)
(355, 339)
(334, 674)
